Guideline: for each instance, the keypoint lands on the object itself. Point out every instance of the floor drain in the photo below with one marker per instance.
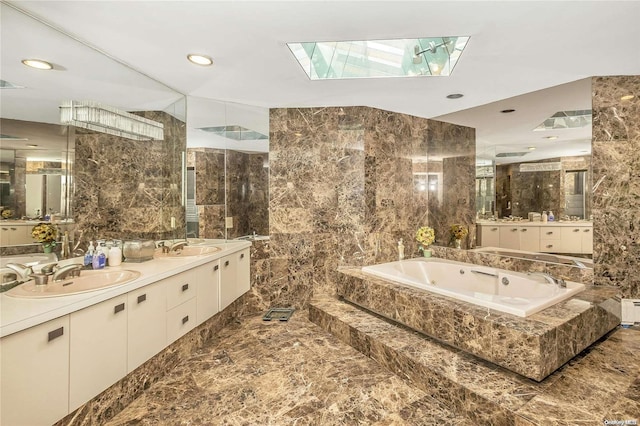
(282, 314)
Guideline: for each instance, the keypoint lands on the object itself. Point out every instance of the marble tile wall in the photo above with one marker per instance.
(616, 171)
(208, 164)
(342, 191)
(129, 189)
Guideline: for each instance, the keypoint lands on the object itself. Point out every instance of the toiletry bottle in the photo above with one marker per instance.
(102, 256)
(115, 255)
(550, 216)
(400, 250)
(95, 261)
(88, 256)
(544, 217)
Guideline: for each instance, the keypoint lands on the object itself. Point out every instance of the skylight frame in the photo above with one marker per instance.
(575, 119)
(379, 58)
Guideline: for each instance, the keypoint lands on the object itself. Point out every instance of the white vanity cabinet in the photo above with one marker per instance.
(181, 304)
(577, 239)
(15, 234)
(35, 374)
(146, 332)
(97, 349)
(234, 277)
(208, 291)
(556, 237)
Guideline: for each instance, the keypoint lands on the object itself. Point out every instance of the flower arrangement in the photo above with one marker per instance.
(425, 236)
(458, 232)
(45, 233)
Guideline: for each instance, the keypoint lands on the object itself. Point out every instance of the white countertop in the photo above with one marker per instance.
(567, 223)
(17, 314)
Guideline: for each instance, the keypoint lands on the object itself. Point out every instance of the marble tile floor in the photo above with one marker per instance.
(282, 373)
(600, 384)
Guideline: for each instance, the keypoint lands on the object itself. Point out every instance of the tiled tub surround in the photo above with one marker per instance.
(533, 347)
(601, 383)
(20, 314)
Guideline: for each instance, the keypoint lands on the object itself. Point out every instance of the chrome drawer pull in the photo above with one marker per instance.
(185, 287)
(215, 268)
(118, 308)
(142, 298)
(185, 319)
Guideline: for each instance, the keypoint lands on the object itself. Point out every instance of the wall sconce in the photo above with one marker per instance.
(106, 119)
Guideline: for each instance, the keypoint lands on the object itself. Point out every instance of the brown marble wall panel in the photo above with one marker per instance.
(616, 167)
(129, 189)
(342, 189)
(209, 171)
(211, 222)
(19, 184)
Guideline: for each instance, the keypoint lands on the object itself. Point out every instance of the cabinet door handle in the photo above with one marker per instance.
(185, 287)
(549, 245)
(550, 233)
(5, 229)
(185, 319)
(242, 256)
(514, 229)
(55, 333)
(118, 308)
(142, 298)
(494, 229)
(524, 230)
(586, 230)
(576, 230)
(226, 263)
(14, 229)
(215, 268)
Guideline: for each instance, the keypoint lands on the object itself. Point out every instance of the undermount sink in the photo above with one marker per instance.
(86, 282)
(186, 252)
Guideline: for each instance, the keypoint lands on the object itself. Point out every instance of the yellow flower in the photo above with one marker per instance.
(45, 233)
(458, 231)
(425, 236)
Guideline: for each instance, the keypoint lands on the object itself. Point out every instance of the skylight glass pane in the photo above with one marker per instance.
(566, 120)
(379, 58)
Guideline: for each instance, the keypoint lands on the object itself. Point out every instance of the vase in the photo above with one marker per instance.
(458, 243)
(47, 248)
(426, 252)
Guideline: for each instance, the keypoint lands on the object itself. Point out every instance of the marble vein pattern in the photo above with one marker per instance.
(345, 185)
(616, 171)
(247, 189)
(280, 373)
(600, 384)
(533, 347)
(129, 189)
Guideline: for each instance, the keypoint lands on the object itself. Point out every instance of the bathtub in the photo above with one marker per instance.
(514, 293)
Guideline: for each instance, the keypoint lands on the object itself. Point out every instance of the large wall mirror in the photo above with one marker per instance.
(37, 153)
(227, 170)
(533, 155)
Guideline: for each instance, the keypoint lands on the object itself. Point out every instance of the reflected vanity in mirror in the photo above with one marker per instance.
(533, 175)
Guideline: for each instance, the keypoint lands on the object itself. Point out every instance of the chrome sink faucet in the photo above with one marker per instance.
(22, 271)
(550, 279)
(72, 270)
(178, 246)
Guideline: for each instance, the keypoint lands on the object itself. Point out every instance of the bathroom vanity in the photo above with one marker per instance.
(60, 352)
(546, 237)
(18, 232)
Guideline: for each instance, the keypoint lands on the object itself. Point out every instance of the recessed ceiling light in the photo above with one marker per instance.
(198, 59)
(455, 96)
(37, 63)
(551, 138)
(627, 97)
(507, 111)
(532, 148)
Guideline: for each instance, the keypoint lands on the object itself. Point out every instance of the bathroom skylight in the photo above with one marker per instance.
(237, 133)
(566, 120)
(436, 56)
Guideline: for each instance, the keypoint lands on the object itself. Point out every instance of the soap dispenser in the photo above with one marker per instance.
(550, 216)
(400, 249)
(88, 256)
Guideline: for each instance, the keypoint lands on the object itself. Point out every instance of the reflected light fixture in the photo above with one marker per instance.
(627, 97)
(199, 59)
(37, 63)
(532, 148)
(106, 119)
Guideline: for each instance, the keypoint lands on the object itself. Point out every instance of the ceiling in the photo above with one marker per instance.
(532, 56)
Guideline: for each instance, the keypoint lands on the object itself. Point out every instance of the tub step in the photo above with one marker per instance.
(482, 392)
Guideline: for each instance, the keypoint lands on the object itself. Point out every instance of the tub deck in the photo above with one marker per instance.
(533, 347)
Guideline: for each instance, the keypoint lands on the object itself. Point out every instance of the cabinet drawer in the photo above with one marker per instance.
(550, 246)
(181, 288)
(180, 320)
(548, 233)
